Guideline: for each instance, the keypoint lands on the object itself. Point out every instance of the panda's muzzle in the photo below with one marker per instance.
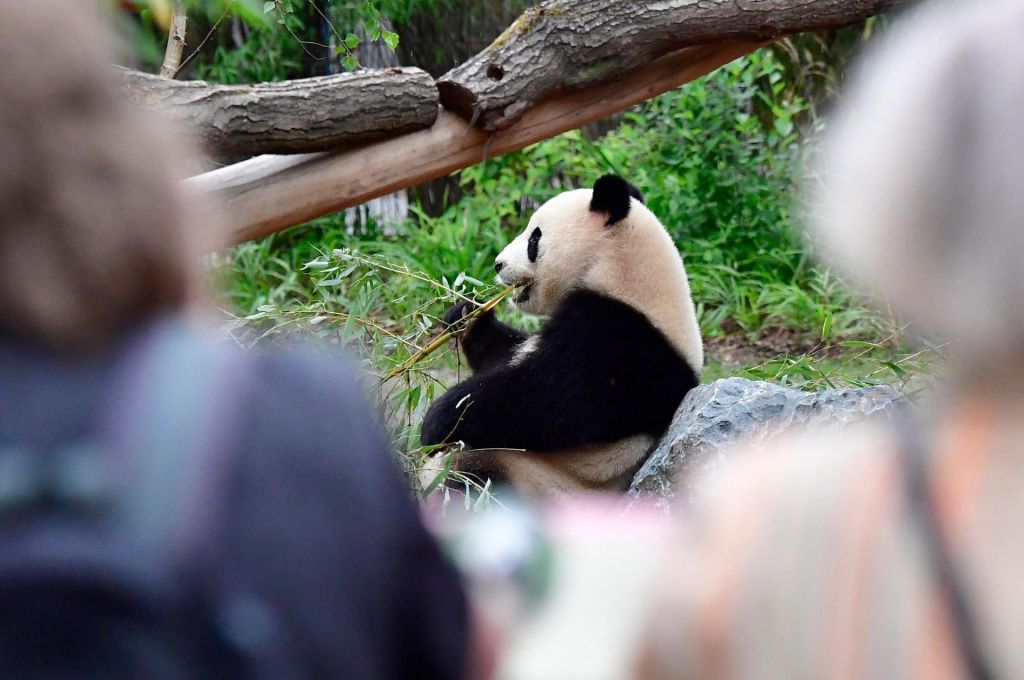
(524, 285)
(524, 294)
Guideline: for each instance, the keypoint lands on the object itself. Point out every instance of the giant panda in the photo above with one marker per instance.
(580, 404)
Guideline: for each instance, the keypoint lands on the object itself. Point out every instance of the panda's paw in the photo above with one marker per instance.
(439, 422)
(458, 312)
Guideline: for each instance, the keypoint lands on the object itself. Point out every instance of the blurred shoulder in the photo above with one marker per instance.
(302, 406)
(799, 470)
(770, 538)
(313, 373)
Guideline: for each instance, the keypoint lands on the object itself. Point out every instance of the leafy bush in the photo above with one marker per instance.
(721, 175)
(722, 181)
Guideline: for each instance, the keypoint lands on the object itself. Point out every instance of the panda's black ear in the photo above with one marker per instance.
(611, 196)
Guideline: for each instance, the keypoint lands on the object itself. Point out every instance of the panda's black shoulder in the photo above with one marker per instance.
(615, 350)
(594, 328)
(586, 309)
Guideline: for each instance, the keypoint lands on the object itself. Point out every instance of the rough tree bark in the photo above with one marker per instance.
(268, 194)
(570, 44)
(294, 116)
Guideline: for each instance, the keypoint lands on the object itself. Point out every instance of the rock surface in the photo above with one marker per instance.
(713, 417)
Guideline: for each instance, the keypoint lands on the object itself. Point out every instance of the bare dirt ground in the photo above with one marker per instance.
(737, 349)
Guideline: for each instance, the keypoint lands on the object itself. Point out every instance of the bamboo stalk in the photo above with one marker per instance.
(439, 342)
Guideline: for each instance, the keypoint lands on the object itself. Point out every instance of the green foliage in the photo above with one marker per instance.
(721, 174)
(278, 35)
(813, 63)
(365, 14)
(145, 23)
(272, 51)
(399, 11)
(724, 182)
(159, 11)
(851, 363)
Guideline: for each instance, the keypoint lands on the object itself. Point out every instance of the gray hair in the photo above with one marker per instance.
(921, 190)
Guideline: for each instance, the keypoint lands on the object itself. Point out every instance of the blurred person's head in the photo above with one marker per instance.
(921, 184)
(93, 234)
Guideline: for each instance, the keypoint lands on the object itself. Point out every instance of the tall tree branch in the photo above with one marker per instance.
(270, 193)
(561, 65)
(175, 41)
(293, 116)
(570, 44)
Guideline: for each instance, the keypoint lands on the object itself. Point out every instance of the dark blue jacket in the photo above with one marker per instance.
(316, 520)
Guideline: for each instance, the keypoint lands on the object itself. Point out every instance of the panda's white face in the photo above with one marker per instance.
(603, 240)
(555, 251)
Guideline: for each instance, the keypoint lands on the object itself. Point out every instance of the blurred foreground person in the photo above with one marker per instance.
(170, 508)
(891, 553)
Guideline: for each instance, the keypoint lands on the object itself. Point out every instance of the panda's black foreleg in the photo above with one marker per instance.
(599, 372)
(486, 342)
(548, 402)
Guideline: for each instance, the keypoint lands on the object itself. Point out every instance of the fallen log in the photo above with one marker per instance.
(293, 116)
(267, 194)
(571, 44)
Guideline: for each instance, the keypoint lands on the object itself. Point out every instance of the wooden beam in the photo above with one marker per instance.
(270, 193)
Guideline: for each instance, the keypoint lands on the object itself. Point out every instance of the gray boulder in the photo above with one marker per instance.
(713, 416)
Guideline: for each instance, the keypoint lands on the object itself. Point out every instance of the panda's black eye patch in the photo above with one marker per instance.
(533, 244)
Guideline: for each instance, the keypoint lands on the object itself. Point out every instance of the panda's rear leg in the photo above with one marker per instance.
(524, 474)
(482, 466)
(470, 469)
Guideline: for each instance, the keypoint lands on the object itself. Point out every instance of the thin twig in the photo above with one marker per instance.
(333, 29)
(195, 53)
(409, 273)
(302, 43)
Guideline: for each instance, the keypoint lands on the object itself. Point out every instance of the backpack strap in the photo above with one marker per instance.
(156, 455)
(925, 515)
(172, 414)
(175, 421)
(127, 518)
